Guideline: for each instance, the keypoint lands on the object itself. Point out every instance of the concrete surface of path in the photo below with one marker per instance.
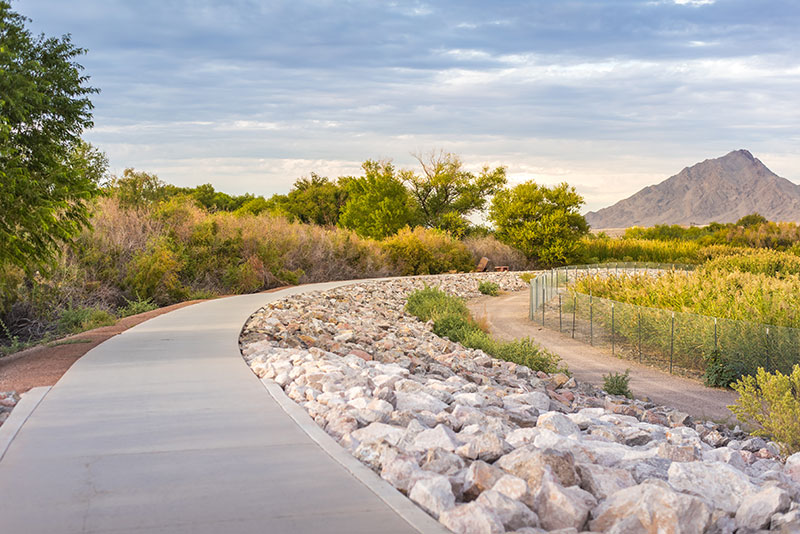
(507, 317)
(164, 429)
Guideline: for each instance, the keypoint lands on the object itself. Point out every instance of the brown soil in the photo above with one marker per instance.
(43, 365)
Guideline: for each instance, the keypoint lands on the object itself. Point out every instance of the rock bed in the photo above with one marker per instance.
(489, 446)
(8, 399)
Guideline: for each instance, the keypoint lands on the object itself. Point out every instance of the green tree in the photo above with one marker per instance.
(446, 193)
(316, 200)
(48, 175)
(543, 222)
(754, 219)
(378, 203)
(137, 189)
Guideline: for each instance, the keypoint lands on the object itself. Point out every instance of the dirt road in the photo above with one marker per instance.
(507, 317)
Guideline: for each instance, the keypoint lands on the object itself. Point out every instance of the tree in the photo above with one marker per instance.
(137, 189)
(316, 200)
(48, 175)
(378, 203)
(754, 219)
(447, 194)
(543, 222)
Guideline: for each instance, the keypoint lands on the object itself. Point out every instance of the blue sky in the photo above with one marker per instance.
(609, 95)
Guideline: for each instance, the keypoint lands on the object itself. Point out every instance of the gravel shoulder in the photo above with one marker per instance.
(507, 318)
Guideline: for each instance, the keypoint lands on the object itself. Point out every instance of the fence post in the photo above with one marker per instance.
(640, 336)
(715, 334)
(672, 342)
(559, 313)
(591, 320)
(612, 329)
(544, 300)
(574, 309)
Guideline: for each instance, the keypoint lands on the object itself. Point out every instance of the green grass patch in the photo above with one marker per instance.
(489, 288)
(451, 319)
(76, 341)
(135, 307)
(76, 320)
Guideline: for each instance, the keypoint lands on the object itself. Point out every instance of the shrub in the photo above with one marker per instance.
(451, 320)
(489, 288)
(426, 251)
(721, 372)
(74, 320)
(770, 404)
(134, 307)
(618, 384)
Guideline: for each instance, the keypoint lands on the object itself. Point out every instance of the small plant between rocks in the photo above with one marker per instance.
(489, 288)
(618, 384)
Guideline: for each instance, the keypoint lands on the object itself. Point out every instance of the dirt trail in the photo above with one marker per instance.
(507, 317)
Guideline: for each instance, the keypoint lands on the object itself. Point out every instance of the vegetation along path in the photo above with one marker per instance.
(164, 428)
(507, 317)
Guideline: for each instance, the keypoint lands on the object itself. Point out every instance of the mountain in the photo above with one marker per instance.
(722, 190)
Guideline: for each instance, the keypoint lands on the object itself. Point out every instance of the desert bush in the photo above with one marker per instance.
(721, 371)
(74, 320)
(770, 404)
(489, 288)
(136, 306)
(497, 252)
(618, 384)
(426, 251)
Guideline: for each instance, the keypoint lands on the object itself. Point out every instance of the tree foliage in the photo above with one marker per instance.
(543, 222)
(378, 203)
(316, 200)
(48, 174)
(447, 194)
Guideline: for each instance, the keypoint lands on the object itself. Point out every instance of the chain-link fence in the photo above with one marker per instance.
(682, 343)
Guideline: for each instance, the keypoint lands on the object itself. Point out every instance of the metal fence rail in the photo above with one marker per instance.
(682, 343)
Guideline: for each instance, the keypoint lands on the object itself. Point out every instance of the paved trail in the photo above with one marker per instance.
(507, 316)
(164, 429)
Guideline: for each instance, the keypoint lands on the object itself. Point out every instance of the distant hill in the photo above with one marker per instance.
(722, 190)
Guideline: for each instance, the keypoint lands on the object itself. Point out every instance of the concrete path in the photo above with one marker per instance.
(507, 317)
(164, 429)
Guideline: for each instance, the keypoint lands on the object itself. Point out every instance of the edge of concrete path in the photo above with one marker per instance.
(29, 401)
(398, 502)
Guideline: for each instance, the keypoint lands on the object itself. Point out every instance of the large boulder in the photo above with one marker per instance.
(434, 494)
(471, 518)
(560, 507)
(530, 464)
(651, 507)
(757, 509)
(719, 483)
(603, 481)
(558, 423)
(513, 514)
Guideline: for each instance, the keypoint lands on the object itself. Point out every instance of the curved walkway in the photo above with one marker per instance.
(164, 429)
(507, 317)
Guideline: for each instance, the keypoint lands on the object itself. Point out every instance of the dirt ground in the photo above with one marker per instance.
(43, 365)
(507, 318)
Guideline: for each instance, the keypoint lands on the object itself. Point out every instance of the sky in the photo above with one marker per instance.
(607, 95)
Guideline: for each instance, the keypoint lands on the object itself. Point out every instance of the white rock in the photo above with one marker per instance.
(558, 423)
(476, 400)
(513, 514)
(560, 507)
(441, 437)
(720, 483)
(531, 464)
(757, 509)
(603, 481)
(512, 487)
(651, 507)
(538, 400)
(434, 495)
(522, 436)
(376, 432)
(471, 518)
(418, 402)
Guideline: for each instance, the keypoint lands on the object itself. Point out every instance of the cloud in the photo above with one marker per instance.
(608, 95)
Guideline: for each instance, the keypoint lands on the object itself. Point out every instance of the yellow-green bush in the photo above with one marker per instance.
(425, 251)
(769, 403)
